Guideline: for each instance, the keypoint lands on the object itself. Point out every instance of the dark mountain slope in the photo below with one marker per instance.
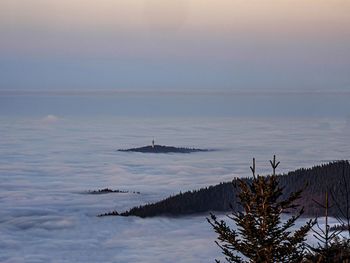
(219, 197)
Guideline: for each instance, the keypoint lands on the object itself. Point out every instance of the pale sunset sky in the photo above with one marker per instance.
(166, 45)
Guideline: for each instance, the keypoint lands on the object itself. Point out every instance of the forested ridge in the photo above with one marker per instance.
(222, 197)
(163, 149)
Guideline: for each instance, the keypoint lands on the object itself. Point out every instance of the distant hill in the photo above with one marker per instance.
(109, 191)
(163, 149)
(219, 197)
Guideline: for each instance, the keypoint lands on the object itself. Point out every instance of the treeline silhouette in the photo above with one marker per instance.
(163, 149)
(222, 197)
(109, 191)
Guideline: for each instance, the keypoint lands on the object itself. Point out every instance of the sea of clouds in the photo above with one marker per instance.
(48, 163)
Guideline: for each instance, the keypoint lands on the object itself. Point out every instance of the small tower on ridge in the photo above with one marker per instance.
(153, 143)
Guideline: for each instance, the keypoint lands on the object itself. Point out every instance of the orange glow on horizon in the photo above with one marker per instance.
(141, 15)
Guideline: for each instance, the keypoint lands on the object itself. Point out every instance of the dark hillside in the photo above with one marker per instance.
(219, 197)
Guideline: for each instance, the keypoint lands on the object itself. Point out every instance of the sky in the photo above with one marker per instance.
(181, 45)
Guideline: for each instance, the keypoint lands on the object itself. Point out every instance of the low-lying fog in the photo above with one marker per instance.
(48, 163)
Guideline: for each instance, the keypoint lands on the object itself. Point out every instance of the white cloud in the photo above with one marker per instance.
(50, 119)
(43, 173)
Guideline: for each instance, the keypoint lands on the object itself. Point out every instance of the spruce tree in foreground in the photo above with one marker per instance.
(261, 235)
(332, 246)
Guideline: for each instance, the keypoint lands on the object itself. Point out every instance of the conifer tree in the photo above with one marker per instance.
(261, 234)
(330, 247)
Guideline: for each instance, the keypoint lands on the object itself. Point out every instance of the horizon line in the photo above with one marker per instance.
(20, 92)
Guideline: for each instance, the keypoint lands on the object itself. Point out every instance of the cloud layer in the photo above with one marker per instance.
(45, 169)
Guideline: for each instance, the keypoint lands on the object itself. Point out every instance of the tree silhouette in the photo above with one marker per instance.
(261, 234)
(330, 247)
